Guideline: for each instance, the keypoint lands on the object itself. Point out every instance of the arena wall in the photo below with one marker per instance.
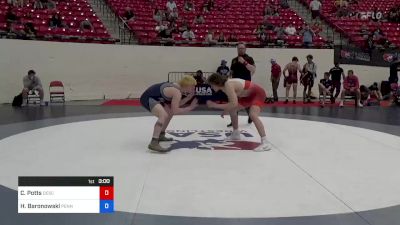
(93, 71)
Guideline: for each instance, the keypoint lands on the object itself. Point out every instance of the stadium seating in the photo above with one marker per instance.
(350, 27)
(72, 13)
(238, 17)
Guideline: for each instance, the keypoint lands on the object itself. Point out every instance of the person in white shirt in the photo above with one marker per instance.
(188, 34)
(210, 37)
(315, 6)
(32, 83)
(171, 5)
(290, 30)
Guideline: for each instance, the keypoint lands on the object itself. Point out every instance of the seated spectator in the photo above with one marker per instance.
(290, 30)
(232, 38)
(11, 17)
(276, 10)
(29, 30)
(161, 27)
(184, 26)
(51, 4)
(374, 91)
(86, 25)
(166, 34)
(325, 88)
(188, 34)
(173, 16)
(128, 14)
(351, 86)
(267, 24)
(173, 27)
(221, 38)
(210, 5)
(379, 37)
(199, 19)
(210, 37)
(199, 77)
(38, 5)
(284, 4)
(369, 44)
(259, 29)
(308, 36)
(32, 82)
(268, 11)
(280, 34)
(157, 16)
(264, 39)
(316, 27)
(56, 21)
(223, 69)
(188, 5)
(171, 5)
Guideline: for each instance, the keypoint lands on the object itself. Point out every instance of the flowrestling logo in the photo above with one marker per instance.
(210, 140)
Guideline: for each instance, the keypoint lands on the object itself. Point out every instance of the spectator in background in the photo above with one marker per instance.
(284, 4)
(267, 24)
(374, 91)
(86, 25)
(232, 38)
(276, 10)
(316, 27)
(265, 38)
(276, 73)
(343, 11)
(188, 5)
(315, 6)
(379, 37)
(128, 14)
(325, 88)
(280, 34)
(51, 4)
(199, 77)
(336, 73)
(56, 21)
(351, 86)
(210, 37)
(157, 16)
(29, 30)
(221, 38)
(364, 93)
(173, 15)
(184, 26)
(171, 5)
(38, 5)
(32, 83)
(268, 11)
(188, 34)
(199, 19)
(290, 30)
(308, 36)
(210, 5)
(223, 69)
(260, 28)
(11, 17)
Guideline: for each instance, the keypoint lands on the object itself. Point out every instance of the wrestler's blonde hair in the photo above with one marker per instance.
(187, 80)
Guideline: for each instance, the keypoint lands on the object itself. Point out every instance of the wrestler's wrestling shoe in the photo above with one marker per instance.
(157, 148)
(235, 136)
(163, 138)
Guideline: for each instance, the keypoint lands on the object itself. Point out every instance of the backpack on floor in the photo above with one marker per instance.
(17, 102)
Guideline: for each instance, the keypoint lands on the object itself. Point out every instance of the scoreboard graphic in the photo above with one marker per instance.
(65, 194)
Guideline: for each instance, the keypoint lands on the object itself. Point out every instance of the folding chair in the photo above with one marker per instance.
(56, 90)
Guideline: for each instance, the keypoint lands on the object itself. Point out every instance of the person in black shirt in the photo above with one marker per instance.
(223, 69)
(336, 75)
(199, 77)
(242, 67)
(325, 87)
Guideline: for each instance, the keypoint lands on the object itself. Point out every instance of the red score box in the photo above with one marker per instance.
(106, 193)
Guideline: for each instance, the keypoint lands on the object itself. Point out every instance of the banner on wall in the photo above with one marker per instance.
(355, 56)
